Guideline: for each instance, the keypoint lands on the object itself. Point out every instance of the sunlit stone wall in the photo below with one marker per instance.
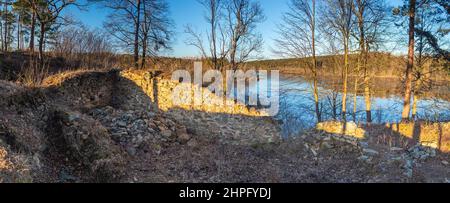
(434, 135)
(161, 91)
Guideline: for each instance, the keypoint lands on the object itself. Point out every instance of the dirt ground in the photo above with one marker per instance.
(302, 160)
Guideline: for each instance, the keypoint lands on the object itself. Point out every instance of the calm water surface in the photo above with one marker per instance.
(297, 111)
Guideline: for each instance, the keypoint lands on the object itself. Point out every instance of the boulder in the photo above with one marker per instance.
(370, 152)
(350, 129)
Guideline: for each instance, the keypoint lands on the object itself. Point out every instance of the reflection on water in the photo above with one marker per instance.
(297, 106)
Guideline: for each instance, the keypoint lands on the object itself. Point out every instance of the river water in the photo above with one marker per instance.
(297, 109)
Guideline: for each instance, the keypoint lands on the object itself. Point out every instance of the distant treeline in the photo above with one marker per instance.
(381, 65)
(14, 64)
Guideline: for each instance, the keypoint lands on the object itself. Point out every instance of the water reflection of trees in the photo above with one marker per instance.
(297, 106)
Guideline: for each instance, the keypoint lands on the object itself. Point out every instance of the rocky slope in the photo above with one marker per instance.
(87, 126)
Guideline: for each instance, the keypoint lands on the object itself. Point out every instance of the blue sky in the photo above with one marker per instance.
(185, 12)
(190, 12)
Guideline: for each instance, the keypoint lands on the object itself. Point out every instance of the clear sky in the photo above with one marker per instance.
(186, 12)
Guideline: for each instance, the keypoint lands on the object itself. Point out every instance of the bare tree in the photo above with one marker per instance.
(73, 40)
(370, 15)
(298, 39)
(242, 17)
(83, 46)
(124, 24)
(232, 31)
(338, 16)
(217, 47)
(156, 26)
(136, 33)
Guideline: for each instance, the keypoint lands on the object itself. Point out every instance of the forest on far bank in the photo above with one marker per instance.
(381, 64)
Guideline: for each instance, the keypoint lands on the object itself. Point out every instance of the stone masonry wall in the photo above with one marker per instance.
(161, 92)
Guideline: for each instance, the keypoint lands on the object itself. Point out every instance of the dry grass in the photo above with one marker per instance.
(31, 76)
(58, 78)
(5, 164)
(14, 168)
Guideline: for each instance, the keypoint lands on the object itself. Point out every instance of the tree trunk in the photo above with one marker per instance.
(416, 90)
(355, 97)
(316, 99)
(233, 55)
(334, 106)
(41, 46)
(18, 32)
(1, 36)
(345, 75)
(5, 15)
(144, 53)
(314, 61)
(145, 36)
(362, 61)
(213, 35)
(32, 30)
(234, 41)
(409, 68)
(414, 107)
(136, 34)
(367, 96)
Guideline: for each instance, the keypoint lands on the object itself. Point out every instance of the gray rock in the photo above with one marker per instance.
(131, 151)
(121, 124)
(313, 152)
(433, 153)
(365, 158)
(396, 149)
(364, 144)
(73, 117)
(370, 152)
(326, 145)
